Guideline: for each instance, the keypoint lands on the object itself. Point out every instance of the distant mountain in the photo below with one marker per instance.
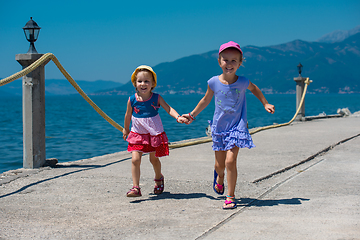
(338, 35)
(61, 87)
(333, 67)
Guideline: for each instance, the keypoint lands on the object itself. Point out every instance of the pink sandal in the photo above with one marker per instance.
(159, 188)
(230, 204)
(134, 192)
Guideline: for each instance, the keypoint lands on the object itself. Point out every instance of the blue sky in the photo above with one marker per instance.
(108, 39)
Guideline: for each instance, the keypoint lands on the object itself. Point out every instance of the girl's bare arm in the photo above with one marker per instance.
(127, 120)
(172, 112)
(257, 92)
(203, 103)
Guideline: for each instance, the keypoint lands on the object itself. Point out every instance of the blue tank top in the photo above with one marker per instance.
(145, 109)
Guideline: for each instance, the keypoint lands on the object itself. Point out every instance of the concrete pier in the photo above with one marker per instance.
(34, 155)
(278, 198)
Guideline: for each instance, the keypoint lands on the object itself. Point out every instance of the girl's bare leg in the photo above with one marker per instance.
(135, 167)
(220, 157)
(231, 170)
(155, 161)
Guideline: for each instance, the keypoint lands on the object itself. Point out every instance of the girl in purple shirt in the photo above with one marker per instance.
(229, 124)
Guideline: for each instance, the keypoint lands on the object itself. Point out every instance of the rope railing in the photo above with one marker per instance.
(49, 56)
(44, 60)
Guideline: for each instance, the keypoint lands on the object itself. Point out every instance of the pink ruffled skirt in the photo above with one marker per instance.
(146, 143)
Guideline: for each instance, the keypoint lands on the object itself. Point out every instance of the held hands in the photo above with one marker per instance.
(185, 118)
(269, 108)
(188, 118)
(182, 119)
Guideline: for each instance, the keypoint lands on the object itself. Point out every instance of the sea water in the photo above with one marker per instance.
(74, 130)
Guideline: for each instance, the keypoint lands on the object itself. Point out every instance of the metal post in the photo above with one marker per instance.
(300, 85)
(34, 155)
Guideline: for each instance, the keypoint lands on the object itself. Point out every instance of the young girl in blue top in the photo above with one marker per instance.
(147, 133)
(229, 125)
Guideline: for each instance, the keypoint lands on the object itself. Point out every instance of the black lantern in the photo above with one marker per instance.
(31, 31)
(299, 68)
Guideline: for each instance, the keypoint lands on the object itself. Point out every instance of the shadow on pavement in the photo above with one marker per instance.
(168, 195)
(266, 203)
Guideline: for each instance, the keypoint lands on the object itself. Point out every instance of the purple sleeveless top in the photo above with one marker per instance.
(229, 124)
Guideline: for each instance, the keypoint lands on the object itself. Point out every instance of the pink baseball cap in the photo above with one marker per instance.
(230, 44)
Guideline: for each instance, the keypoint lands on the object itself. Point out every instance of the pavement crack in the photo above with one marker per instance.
(320, 153)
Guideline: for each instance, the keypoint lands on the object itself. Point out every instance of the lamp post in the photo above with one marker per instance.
(31, 31)
(300, 84)
(33, 97)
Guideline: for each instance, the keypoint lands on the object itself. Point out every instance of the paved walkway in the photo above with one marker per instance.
(318, 199)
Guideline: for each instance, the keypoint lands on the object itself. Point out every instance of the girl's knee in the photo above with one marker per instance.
(230, 162)
(231, 156)
(136, 161)
(136, 158)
